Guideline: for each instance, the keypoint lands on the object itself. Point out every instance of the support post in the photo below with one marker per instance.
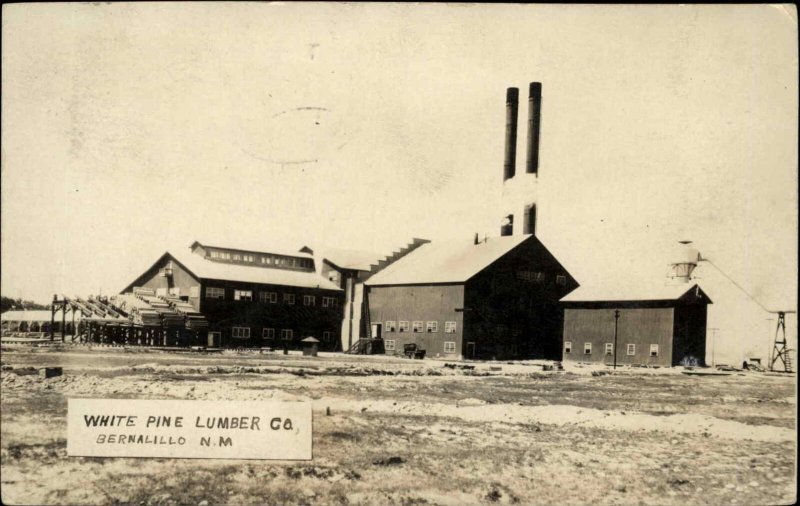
(53, 318)
(616, 327)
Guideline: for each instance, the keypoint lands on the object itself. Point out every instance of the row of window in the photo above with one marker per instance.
(538, 277)
(278, 261)
(417, 326)
(391, 345)
(269, 297)
(194, 291)
(269, 333)
(609, 348)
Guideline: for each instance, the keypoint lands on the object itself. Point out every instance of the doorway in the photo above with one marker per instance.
(214, 339)
(470, 354)
(377, 331)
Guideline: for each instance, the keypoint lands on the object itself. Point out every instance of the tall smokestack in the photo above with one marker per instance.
(512, 103)
(534, 115)
(530, 219)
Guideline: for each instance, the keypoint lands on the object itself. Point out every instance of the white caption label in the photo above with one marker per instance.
(189, 429)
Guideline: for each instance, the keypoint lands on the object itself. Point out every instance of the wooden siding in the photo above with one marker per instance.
(352, 282)
(181, 279)
(419, 303)
(639, 326)
(305, 321)
(690, 334)
(508, 316)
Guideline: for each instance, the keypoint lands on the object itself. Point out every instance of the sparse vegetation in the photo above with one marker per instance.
(399, 437)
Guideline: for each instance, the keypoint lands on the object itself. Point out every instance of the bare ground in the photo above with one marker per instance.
(415, 432)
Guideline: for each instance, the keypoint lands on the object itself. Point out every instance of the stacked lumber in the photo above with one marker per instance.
(107, 307)
(169, 318)
(141, 311)
(194, 320)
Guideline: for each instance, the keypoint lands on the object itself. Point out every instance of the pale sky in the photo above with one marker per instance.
(132, 129)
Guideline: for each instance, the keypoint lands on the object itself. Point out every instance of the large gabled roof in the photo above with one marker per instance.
(446, 261)
(201, 268)
(633, 289)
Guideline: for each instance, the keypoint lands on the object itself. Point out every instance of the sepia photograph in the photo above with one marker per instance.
(305, 253)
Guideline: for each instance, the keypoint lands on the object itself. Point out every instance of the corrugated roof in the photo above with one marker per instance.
(33, 315)
(629, 289)
(252, 246)
(446, 261)
(207, 269)
(352, 259)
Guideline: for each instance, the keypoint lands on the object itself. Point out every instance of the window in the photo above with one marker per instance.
(390, 326)
(609, 348)
(242, 295)
(417, 326)
(268, 334)
(287, 334)
(587, 348)
(449, 346)
(176, 290)
(449, 327)
(567, 346)
(215, 293)
(530, 276)
(288, 298)
(631, 349)
(270, 297)
(327, 336)
(240, 332)
(225, 255)
(561, 280)
(214, 254)
(309, 300)
(389, 345)
(237, 257)
(249, 258)
(653, 350)
(402, 326)
(329, 302)
(266, 260)
(432, 326)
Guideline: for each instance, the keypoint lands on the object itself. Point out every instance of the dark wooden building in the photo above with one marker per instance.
(662, 325)
(251, 298)
(492, 299)
(349, 269)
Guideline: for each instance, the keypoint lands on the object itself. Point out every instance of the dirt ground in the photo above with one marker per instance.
(414, 432)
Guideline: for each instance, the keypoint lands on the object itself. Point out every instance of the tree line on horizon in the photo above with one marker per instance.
(9, 303)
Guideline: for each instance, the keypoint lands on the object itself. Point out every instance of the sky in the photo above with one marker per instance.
(133, 129)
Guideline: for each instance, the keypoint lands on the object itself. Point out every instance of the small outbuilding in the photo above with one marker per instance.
(655, 325)
(310, 346)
